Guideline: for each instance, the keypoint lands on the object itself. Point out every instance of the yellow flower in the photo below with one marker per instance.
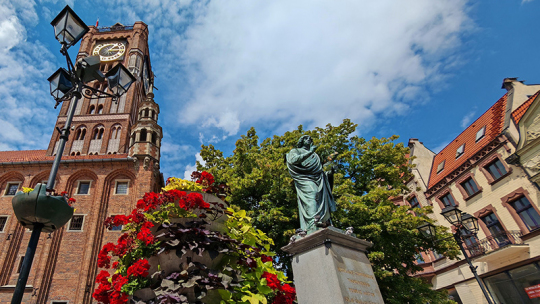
(27, 190)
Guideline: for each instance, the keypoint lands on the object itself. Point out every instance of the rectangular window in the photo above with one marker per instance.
(470, 186)
(122, 187)
(496, 169)
(460, 150)
(84, 188)
(414, 202)
(448, 200)
(440, 167)
(496, 229)
(3, 221)
(480, 134)
(59, 302)
(20, 264)
(76, 223)
(527, 213)
(12, 188)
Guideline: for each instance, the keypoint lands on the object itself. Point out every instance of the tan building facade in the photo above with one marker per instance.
(477, 173)
(110, 160)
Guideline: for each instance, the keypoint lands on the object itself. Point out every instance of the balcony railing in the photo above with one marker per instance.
(493, 242)
(114, 28)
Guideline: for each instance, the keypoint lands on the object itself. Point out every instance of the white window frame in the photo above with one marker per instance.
(121, 181)
(78, 185)
(483, 129)
(82, 226)
(7, 221)
(440, 166)
(460, 150)
(11, 183)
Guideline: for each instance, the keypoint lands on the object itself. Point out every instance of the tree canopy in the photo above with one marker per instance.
(369, 173)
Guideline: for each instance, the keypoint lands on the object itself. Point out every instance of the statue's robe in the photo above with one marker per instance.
(312, 188)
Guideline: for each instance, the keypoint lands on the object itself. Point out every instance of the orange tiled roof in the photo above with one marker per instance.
(522, 109)
(493, 119)
(40, 155)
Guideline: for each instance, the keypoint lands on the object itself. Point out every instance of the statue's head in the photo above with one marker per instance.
(305, 140)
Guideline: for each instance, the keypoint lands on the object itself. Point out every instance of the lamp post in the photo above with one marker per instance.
(460, 220)
(40, 210)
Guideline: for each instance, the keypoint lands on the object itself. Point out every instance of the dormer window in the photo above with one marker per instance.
(440, 167)
(480, 134)
(460, 150)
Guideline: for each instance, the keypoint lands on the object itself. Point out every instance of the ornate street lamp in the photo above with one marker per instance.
(68, 27)
(39, 210)
(459, 220)
(470, 222)
(452, 214)
(427, 230)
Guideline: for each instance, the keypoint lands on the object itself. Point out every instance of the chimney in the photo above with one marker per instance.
(508, 83)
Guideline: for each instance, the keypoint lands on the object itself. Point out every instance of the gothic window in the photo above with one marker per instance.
(526, 212)
(154, 138)
(92, 109)
(146, 111)
(98, 133)
(116, 131)
(134, 64)
(143, 135)
(81, 133)
(100, 109)
(153, 115)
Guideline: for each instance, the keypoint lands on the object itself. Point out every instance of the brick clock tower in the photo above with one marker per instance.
(110, 160)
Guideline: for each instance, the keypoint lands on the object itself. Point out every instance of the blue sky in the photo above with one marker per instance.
(418, 68)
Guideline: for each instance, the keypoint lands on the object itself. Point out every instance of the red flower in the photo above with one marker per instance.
(103, 257)
(102, 277)
(118, 282)
(265, 258)
(195, 200)
(137, 217)
(102, 293)
(146, 236)
(289, 290)
(72, 200)
(139, 269)
(124, 244)
(271, 280)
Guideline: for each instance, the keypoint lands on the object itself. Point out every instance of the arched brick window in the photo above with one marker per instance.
(92, 109)
(100, 109)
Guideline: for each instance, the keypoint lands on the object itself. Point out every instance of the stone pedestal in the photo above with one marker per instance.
(331, 267)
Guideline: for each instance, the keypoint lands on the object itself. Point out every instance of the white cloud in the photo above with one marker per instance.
(27, 118)
(467, 119)
(191, 168)
(313, 62)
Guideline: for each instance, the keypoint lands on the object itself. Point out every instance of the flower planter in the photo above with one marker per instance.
(145, 294)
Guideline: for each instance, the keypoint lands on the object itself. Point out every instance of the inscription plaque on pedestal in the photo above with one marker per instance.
(331, 267)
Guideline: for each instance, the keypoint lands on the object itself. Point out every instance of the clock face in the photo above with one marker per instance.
(109, 51)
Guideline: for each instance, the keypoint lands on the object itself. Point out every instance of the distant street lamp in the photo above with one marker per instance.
(462, 221)
(39, 210)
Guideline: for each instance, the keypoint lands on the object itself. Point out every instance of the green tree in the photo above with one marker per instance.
(369, 174)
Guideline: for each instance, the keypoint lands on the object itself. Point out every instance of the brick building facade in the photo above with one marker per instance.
(480, 172)
(110, 160)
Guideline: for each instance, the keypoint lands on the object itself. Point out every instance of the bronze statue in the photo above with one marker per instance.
(314, 191)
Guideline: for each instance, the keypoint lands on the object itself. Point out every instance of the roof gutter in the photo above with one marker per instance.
(70, 161)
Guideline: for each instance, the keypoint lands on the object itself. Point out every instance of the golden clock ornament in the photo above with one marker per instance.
(109, 51)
